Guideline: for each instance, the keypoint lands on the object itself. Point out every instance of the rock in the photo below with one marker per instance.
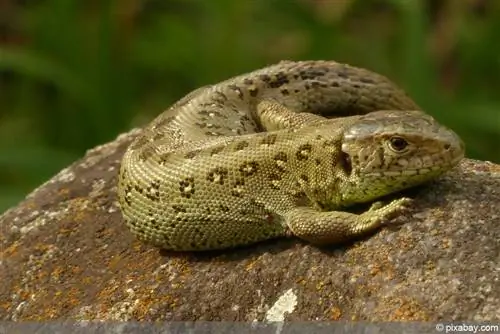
(66, 254)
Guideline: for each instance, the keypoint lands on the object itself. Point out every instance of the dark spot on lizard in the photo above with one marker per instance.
(217, 175)
(248, 81)
(237, 89)
(128, 189)
(285, 92)
(316, 84)
(275, 176)
(265, 77)
(158, 135)
(192, 154)
(239, 182)
(249, 168)
(270, 139)
(153, 222)
(219, 114)
(279, 80)
(186, 187)
(304, 178)
(219, 97)
(342, 75)
(179, 208)
(163, 158)
(303, 152)
(253, 91)
(275, 179)
(209, 104)
(236, 193)
(217, 150)
(244, 118)
(274, 185)
(238, 189)
(280, 160)
(311, 74)
(241, 145)
(281, 156)
(213, 133)
(201, 125)
(147, 152)
(301, 198)
(153, 191)
(224, 208)
(138, 189)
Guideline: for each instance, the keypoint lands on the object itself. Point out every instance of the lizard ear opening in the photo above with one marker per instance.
(345, 162)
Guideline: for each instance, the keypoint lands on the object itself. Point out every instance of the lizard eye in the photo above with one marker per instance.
(398, 144)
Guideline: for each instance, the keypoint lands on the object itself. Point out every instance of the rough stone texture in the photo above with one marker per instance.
(65, 254)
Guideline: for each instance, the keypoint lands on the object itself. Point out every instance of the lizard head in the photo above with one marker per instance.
(387, 151)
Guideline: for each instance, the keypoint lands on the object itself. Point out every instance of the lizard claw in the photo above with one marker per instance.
(389, 211)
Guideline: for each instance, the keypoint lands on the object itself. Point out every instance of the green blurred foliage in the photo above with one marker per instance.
(75, 74)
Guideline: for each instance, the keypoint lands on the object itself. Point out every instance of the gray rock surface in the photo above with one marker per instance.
(66, 254)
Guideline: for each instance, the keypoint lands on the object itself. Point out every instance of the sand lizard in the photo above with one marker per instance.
(261, 155)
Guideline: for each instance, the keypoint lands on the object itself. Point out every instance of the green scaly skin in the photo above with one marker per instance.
(280, 151)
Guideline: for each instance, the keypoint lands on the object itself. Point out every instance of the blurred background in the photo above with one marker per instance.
(75, 74)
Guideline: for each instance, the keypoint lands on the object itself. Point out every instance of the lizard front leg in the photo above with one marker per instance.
(323, 228)
(273, 116)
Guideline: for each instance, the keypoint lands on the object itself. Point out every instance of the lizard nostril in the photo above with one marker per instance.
(447, 146)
